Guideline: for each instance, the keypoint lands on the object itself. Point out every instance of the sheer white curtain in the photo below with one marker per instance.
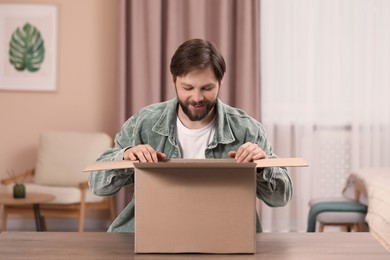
(325, 94)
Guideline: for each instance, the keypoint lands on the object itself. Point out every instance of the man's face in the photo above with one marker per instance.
(197, 93)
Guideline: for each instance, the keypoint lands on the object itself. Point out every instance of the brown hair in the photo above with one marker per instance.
(197, 54)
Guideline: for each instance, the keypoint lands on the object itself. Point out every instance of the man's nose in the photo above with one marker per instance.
(198, 96)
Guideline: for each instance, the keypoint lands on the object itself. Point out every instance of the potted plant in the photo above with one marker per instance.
(19, 190)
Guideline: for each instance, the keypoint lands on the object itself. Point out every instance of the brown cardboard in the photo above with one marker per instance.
(196, 206)
(204, 207)
(125, 164)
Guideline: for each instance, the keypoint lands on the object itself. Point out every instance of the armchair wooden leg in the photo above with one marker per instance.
(81, 218)
(43, 223)
(82, 211)
(3, 218)
(112, 209)
(81, 224)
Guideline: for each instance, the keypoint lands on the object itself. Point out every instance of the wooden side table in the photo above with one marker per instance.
(32, 198)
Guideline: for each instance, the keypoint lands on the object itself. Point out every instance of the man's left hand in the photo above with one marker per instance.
(247, 153)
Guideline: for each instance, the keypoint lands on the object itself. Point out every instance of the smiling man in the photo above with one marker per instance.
(196, 124)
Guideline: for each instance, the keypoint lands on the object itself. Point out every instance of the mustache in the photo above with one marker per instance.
(201, 103)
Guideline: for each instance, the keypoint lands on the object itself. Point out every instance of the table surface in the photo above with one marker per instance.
(31, 198)
(102, 245)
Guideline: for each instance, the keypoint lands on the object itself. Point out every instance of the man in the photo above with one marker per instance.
(196, 124)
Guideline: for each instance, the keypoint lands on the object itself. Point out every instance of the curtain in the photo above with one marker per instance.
(154, 29)
(325, 94)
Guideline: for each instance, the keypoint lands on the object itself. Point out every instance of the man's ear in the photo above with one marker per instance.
(173, 78)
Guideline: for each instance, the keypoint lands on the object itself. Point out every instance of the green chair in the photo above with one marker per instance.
(341, 211)
(348, 210)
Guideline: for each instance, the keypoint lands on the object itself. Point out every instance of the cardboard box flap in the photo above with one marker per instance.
(198, 163)
(281, 162)
(109, 165)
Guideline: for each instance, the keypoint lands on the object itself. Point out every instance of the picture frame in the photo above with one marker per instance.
(28, 47)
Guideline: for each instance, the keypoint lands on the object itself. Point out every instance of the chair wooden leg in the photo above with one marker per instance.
(321, 228)
(349, 227)
(356, 227)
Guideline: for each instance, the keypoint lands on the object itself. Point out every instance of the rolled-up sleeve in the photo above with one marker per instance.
(274, 186)
(105, 183)
(108, 182)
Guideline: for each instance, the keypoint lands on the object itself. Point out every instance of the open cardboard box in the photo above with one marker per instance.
(197, 205)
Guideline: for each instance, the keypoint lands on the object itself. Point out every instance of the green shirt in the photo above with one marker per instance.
(155, 125)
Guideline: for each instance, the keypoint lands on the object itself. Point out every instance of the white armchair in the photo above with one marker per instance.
(61, 158)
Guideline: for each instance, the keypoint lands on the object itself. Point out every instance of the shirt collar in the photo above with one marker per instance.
(166, 124)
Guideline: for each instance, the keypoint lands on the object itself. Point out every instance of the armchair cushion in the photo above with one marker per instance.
(63, 155)
(63, 195)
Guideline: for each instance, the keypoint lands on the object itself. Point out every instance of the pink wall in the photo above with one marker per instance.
(86, 98)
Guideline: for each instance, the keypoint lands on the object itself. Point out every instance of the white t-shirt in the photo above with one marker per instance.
(193, 142)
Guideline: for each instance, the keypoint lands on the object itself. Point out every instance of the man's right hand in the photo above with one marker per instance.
(143, 153)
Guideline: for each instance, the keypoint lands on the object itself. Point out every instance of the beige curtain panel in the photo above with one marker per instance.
(154, 29)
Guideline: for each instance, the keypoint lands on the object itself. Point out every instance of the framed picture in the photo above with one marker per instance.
(28, 47)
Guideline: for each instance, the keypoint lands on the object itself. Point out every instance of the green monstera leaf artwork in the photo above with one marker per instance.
(26, 49)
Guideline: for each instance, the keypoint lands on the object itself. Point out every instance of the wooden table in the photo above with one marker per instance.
(32, 198)
(102, 245)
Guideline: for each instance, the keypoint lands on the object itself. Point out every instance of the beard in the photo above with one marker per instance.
(200, 114)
